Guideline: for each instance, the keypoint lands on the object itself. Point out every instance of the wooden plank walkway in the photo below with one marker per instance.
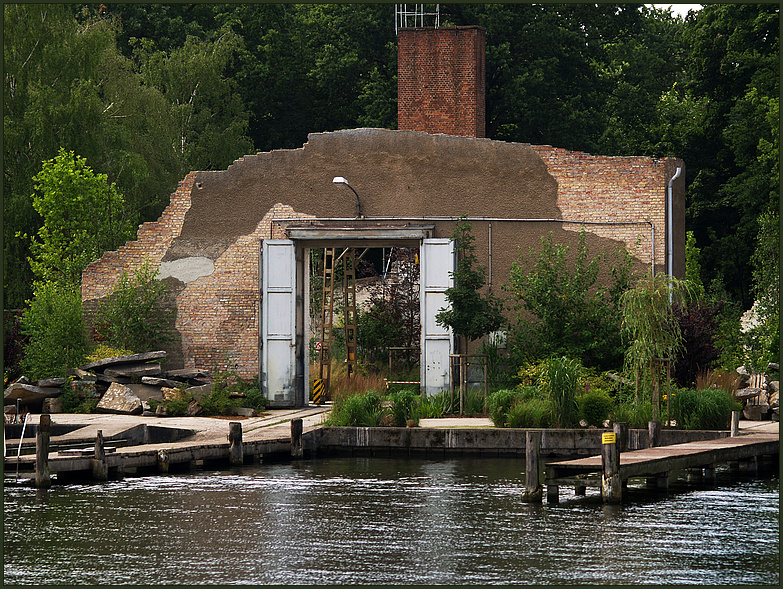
(656, 463)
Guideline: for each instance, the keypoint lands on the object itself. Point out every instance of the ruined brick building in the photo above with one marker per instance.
(232, 244)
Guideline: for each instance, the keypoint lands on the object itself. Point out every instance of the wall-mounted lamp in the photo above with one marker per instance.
(340, 180)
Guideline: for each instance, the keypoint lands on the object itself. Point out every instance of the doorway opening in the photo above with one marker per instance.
(364, 319)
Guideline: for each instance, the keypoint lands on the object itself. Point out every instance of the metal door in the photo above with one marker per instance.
(437, 264)
(278, 322)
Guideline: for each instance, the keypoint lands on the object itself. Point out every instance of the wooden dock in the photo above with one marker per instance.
(104, 461)
(656, 464)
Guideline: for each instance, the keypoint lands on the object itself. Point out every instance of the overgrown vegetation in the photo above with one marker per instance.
(132, 316)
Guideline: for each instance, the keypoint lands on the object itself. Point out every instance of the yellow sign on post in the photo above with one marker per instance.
(609, 438)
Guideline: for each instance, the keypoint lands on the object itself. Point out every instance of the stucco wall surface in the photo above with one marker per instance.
(207, 241)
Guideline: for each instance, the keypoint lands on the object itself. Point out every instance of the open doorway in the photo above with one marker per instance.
(364, 319)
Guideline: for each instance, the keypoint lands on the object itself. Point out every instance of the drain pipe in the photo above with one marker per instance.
(669, 231)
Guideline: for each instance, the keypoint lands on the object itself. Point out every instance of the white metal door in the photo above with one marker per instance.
(437, 263)
(278, 321)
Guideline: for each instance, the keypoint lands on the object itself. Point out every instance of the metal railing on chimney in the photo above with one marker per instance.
(415, 15)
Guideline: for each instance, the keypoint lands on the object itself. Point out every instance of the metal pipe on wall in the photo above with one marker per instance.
(670, 231)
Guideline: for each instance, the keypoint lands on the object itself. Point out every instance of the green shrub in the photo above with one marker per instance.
(499, 403)
(703, 409)
(530, 413)
(133, 316)
(55, 328)
(404, 407)
(594, 407)
(358, 411)
(74, 402)
(219, 399)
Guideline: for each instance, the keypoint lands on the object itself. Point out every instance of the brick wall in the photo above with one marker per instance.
(152, 241)
(613, 189)
(218, 314)
(441, 81)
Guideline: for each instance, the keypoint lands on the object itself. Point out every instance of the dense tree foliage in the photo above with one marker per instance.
(146, 93)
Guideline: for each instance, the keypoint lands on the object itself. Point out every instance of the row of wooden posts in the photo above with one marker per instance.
(611, 448)
(100, 470)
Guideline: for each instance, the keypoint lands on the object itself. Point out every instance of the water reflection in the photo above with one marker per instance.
(384, 521)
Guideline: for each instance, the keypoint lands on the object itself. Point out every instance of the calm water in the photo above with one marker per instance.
(385, 521)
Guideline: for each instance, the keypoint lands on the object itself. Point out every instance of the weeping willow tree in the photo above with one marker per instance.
(653, 331)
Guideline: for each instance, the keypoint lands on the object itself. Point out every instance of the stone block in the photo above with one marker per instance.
(121, 400)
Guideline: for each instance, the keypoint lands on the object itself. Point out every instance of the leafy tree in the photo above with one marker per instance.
(206, 108)
(471, 315)
(573, 316)
(65, 85)
(83, 216)
(55, 328)
(133, 316)
(734, 65)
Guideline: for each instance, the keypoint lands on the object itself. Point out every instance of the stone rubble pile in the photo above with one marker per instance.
(122, 385)
(759, 393)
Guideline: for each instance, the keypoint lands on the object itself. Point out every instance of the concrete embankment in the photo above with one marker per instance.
(480, 441)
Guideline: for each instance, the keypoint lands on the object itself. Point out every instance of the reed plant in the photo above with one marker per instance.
(561, 377)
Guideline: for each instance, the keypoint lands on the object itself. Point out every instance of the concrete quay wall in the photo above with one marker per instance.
(481, 441)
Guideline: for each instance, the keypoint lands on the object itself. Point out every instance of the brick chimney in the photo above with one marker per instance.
(441, 80)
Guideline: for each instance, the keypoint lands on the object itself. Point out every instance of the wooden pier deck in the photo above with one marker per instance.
(655, 464)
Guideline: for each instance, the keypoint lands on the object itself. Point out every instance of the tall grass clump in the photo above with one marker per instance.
(561, 376)
(703, 409)
(435, 406)
(530, 413)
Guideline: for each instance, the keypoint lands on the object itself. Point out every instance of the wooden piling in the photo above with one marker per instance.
(533, 489)
(653, 434)
(100, 472)
(735, 417)
(297, 449)
(611, 483)
(621, 434)
(235, 453)
(42, 476)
